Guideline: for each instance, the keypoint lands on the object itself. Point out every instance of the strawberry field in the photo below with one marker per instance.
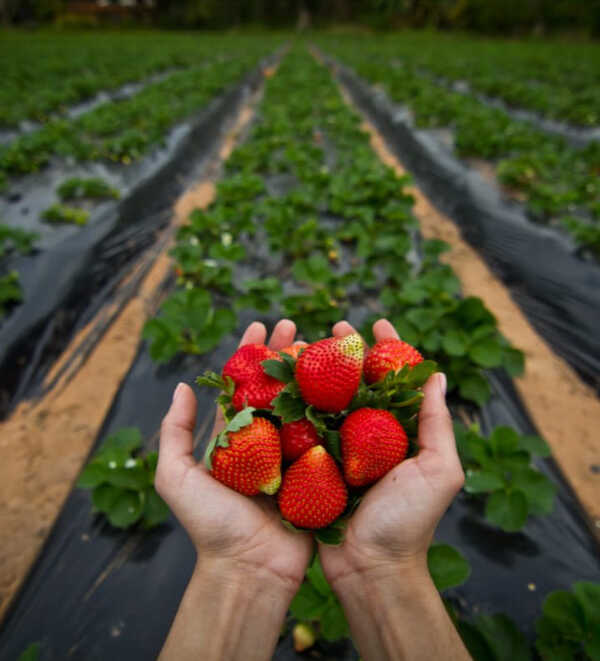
(306, 222)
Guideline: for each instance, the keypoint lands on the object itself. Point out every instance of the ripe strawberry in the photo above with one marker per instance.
(389, 354)
(249, 460)
(328, 372)
(313, 493)
(373, 442)
(252, 386)
(297, 437)
(295, 349)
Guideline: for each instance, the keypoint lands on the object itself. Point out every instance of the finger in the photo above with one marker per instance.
(435, 424)
(383, 330)
(177, 431)
(343, 328)
(283, 334)
(256, 333)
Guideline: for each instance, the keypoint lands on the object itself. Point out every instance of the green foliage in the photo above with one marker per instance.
(447, 566)
(10, 291)
(188, 322)
(499, 469)
(122, 481)
(16, 239)
(61, 213)
(76, 188)
(494, 638)
(32, 653)
(569, 627)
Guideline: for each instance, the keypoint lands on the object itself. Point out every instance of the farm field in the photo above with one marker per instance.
(269, 176)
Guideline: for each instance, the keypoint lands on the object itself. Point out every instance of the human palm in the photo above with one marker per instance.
(222, 523)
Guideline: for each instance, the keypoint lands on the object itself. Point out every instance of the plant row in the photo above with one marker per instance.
(560, 81)
(558, 183)
(43, 75)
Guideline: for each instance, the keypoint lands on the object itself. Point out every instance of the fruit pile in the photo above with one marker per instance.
(338, 416)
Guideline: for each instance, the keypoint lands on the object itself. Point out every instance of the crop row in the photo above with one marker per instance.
(308, 223)
(42, 76)
(557, 81)
(559, 183)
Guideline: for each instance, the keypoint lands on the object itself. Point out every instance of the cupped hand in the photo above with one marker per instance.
(223, 524)
(395, 522)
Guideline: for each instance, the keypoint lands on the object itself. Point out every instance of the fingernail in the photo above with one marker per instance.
(443, 383)
(177, 391)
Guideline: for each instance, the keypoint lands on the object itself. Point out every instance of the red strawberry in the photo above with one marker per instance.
(389, 354)
(294, 349)
(313, 493)
(328, 372)
(297, 437)
(248, 460)
(373, 442)
(252, 386)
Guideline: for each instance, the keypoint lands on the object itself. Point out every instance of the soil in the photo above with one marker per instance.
(44, 443)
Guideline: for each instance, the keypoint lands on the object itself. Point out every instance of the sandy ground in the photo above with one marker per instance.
(44, 443)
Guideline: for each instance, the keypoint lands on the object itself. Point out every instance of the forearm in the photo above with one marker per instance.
(399, 615)
(228, 614)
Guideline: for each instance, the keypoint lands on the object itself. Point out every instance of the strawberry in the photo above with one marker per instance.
(389, 354)
(372, 442)
(294, 349)
(246, 455)
(252, 386)
(297, 437)
(328, 372)
(313, 493)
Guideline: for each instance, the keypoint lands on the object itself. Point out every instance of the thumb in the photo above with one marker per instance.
(435, 424)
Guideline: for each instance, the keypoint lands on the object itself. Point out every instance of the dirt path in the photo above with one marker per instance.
(44, 443)
(565, 410)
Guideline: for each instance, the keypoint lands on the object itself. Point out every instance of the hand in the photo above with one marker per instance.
(245, 533)
(395, 522)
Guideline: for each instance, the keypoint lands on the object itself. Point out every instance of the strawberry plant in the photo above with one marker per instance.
(10, 291)
(61, 213)
(16, 239)
(122, 482)
(499, 468)
(77, 188)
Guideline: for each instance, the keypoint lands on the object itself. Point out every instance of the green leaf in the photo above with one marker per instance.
(503, 638)
(127, 509)
(333, 443)
(32, 653)
(213, 380)
(535, 445)
(566, 613)
(588, 595)
(480, 481)
(487, 352)
(504, 441)
(513, 361)
(475, 388)
(507, 510)
(126, 439)
(156, 511)
(447, 566)
(317, 579)
(132, 476)
(475, 642)
(334, 625)
(308, 604)
(538, 490)
(288, 406)
(333, 535)
(454, 343)
(95, 473)
(105, 496)
(241, 419)
(278, 369)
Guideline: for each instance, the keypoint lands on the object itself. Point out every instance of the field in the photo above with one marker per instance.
(161, 190)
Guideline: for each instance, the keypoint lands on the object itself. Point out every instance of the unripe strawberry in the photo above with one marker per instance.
(251, 462)
(389, 354)
(372, 442)
(294, 349)
(313, 493)
(252, 386)
(328, 372)
(297, 437)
